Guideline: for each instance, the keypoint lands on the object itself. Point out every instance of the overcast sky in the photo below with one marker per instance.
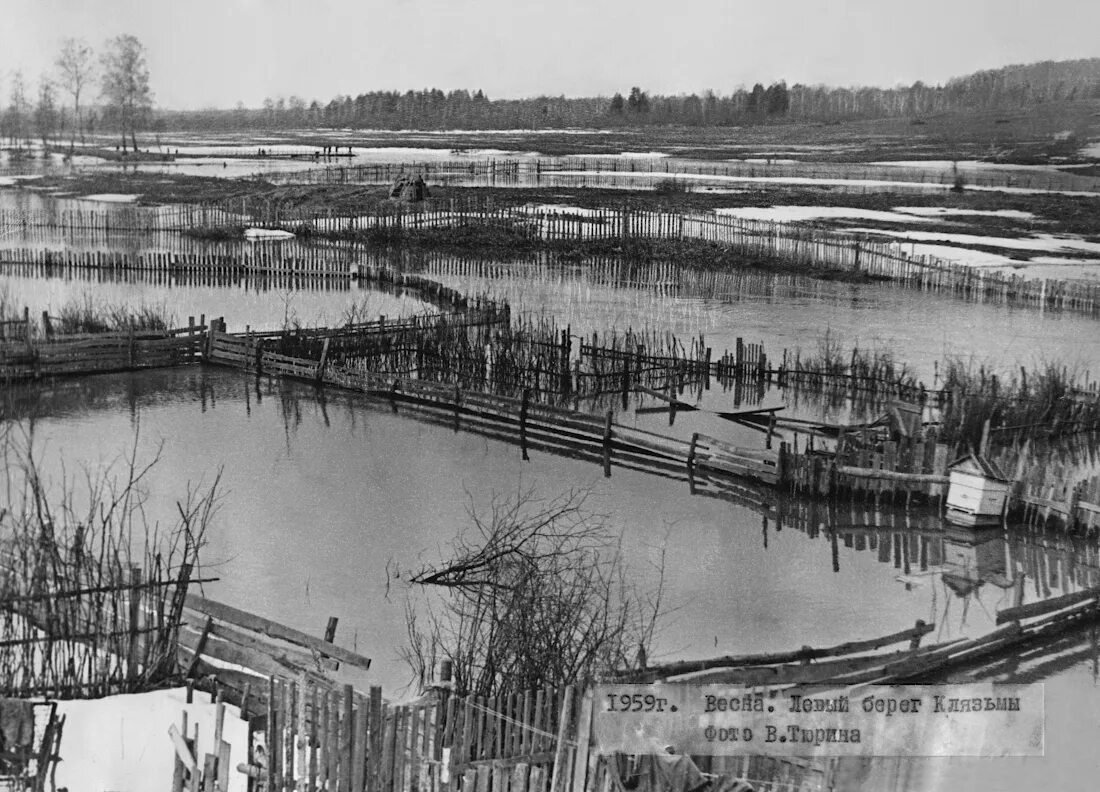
(219, 52)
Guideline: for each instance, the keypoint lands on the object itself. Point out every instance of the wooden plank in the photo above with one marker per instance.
(891, 475)
(518, 781)
(289, 732)
(195, 777)
(219, 728)
(332, 742)
(536, 781)
(221, 783)
(400, 742)
(359, 752)
(377, 734)
(347, 739)
(558, 780)
(314, 738)
(584, 736)
(200, 647)
(219, 651)
(797, 655)
(413, 764)
(209, 772)
(301, 724)
(183, 752)
(1046, 606)
(249, 621)
(272, 741)
(179, 769)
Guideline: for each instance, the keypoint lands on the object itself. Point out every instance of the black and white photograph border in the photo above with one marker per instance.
(511, 396)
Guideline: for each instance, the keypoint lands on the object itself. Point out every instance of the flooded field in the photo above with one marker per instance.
(330, 497)
(326, 471)
(323, 490)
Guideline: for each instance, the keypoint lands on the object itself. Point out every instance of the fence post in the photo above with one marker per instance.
(607, 444)
(523, 407)
(324, 360)
(584, 736)
(564, 717)
(134, 655)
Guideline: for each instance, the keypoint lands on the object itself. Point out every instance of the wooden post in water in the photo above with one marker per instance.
(523, 407)
(607, 443)
(324, 360)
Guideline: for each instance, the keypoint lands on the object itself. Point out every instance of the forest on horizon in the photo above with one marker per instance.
(1007, 88)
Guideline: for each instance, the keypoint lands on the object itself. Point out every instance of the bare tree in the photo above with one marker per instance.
(76, 67)
(125, 84)
(17, 110)
(45, 112)
(536, 593)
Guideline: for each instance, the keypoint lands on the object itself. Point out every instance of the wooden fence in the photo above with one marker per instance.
(553, 170)
(73, 215)
(89, 353)
(73, 634)
(790, 242)
(272, 258)
(861, 466)
(311, 733)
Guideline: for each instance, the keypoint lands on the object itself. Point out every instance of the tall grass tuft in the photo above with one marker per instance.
(86, 315)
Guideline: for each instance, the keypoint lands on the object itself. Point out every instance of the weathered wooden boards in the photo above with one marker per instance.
(208, 772)
(709, 454)
(99, 352)
(241, 650)
(313, 735)
(803, 655)
(1049, 491)
(912, 466)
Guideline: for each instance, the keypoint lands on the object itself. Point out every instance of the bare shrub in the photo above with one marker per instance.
(535, 593)
(77, 617)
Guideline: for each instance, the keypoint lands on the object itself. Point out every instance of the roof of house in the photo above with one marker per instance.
(988, 467)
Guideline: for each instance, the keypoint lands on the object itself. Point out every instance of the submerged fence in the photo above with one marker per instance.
(613, 171)
(88, 353)
(519, 377)
(809, 249)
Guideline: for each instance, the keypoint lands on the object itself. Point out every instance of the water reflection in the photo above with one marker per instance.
(780, 311)
(246, 298)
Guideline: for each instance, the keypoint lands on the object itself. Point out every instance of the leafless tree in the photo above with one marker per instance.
(45, 112)
(17, 110)
(76, 66)
(125, 83)
(534, 593)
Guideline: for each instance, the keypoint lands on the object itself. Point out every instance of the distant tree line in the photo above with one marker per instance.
(1008, 88)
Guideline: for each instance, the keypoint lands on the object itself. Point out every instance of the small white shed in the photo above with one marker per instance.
(977, 491)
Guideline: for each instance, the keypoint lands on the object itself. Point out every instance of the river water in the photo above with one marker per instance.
(326, 491)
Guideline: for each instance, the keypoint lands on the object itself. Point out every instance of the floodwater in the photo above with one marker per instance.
(782, 312)
(324, 491)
